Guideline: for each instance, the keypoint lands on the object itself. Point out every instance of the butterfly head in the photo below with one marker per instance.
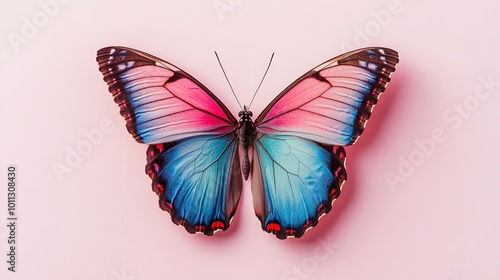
(245, 115)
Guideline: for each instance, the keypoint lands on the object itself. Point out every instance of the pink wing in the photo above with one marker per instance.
(160, 102)
(332, 102)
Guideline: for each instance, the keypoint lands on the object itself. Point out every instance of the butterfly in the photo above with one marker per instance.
(199, 153)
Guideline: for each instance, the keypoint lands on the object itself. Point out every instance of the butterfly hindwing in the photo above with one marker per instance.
(160, 102)
(294, 182)
(331, 103)
(198, 181)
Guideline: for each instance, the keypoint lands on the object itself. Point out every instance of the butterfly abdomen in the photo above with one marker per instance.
(246, 136)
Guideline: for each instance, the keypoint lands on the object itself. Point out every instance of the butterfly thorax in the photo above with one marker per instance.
(246, 136)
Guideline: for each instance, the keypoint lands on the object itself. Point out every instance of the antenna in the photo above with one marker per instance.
(268, 66)
(228, 80)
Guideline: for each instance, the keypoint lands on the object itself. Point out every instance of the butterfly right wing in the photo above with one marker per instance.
(160, 102)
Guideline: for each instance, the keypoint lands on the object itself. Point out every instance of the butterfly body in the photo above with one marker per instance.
(199, 153)
(246, 136)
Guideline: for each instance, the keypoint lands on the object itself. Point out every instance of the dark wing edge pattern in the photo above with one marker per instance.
(384, 71)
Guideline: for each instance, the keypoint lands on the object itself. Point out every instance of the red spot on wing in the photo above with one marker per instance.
(165, 205)
(159, 147)
(273, 227)
(199, 227)
(218, 225)
(332, 192)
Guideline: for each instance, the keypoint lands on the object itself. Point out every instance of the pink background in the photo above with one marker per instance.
(440, 221)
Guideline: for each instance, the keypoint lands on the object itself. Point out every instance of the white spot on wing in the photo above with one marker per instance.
(112, 51)
(362, 63)
(125, 65)
(372, 66)
(381, 51)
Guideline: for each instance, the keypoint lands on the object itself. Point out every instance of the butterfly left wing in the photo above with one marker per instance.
(298, 166)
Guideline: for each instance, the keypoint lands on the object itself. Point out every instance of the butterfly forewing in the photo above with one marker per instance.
(331, 103)
(160, 102)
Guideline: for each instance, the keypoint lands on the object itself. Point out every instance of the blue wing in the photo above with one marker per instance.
(198, 181)
(294, 182)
